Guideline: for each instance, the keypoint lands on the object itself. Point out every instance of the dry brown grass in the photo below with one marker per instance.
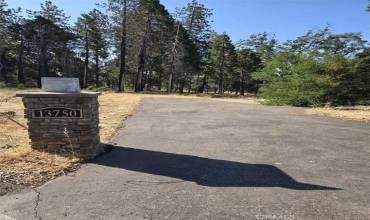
(358, 113)
(227, 98)
(247, 100)
(20, 164)
(114, 108)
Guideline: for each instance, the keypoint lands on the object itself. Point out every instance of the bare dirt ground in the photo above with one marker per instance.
(358, 113)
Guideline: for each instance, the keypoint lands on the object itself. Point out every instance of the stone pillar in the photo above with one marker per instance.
(63, 123)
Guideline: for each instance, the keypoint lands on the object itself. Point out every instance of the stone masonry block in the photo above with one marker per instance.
(77, 136)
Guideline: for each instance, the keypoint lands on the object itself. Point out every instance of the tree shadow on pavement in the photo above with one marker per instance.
(200, 170)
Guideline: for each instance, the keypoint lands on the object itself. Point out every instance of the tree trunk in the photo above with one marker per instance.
(122, 68)
(203, 86)
(190, 25)
(43, 62)
(20, 63)
(3, 73)
(221, 74)
(149, 81)
(144, 80)
(221, 83)
(97, 70)
(142, 58)
(86, 67)
(160, 81)
(170, 79)
(67, 63)
(181, 87)
(86, 64)
(242, 83)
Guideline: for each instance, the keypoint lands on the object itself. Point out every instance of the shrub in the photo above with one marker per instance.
(21, 86)
(291, 79)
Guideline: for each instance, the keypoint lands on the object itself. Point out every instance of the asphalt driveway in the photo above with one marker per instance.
(206, 159)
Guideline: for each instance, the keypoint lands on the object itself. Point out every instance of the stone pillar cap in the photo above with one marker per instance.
(60, 84)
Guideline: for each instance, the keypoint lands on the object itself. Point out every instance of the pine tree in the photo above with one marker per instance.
(122, 69)
(263, 44)
(17, 32)
(248, 62)
(223, 58)
(52, 37)
(195, 18)
(4, 39)
(93, 29)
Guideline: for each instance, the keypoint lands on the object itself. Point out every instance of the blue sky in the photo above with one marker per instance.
(287, 19)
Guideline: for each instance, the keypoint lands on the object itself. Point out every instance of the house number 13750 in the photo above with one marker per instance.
(56, 113)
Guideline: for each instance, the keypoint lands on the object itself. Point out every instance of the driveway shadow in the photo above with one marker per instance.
(203, 171)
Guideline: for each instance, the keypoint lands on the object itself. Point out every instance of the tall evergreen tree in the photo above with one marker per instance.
(93, 29)
(122, 69)
(17, 32)
(224, 58)
(322, 42)
(5, 14)
(195, 18)
(51, 12)
(263, 44)
(248, 62)
(52, 37)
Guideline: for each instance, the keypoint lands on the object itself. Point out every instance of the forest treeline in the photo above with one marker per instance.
(137, 45)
